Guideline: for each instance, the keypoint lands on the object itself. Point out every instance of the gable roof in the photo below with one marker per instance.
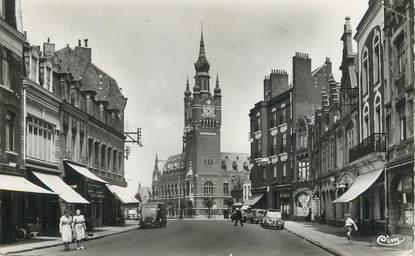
(92, 77)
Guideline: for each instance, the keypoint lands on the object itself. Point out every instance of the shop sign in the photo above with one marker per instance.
(385, 240)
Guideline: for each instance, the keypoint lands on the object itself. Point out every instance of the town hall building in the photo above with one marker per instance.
(201, 176)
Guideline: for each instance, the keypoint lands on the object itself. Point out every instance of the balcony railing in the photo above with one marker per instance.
(374, 143)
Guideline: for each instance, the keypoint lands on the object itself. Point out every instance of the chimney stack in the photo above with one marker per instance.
(279, 82)
(48, 48)
(83, 51)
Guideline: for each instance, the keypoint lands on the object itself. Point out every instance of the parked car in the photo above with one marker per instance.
(272, 218)
(133, 215)
(255, 215)
(153, 214)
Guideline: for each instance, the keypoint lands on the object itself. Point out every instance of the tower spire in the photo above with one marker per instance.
(187, 92)
(217, 89)
(202, 65)
(202, 43)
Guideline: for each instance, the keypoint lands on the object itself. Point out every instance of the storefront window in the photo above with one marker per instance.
(405, 201)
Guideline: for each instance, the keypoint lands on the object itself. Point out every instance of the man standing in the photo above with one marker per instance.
(238, 216)
(349, 225)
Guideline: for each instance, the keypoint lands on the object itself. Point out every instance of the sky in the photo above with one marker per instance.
(150, 47)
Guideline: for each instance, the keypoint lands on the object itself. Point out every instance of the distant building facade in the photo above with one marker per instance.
(203, 175)
(273, 120)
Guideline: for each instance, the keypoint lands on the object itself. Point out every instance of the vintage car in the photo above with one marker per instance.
(255, 215)
(153, 214)
(272, 218)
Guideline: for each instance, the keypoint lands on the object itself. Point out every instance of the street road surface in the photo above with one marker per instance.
(195, 237)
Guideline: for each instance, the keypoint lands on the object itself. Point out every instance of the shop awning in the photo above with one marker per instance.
(85, 172)
(360, 185)
(122, 194)
(245, 207)
(254, 199)
(56, 184)
(20, 184)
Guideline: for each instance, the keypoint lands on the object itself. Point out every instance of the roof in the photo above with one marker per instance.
(92, 77)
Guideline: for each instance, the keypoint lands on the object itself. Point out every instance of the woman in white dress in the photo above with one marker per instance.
(79, 228)
(65, 229)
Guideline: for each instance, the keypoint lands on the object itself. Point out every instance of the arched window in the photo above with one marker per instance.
(208, 188)
(376, 58)
(10, 131)
(378, 115)
(366, 122)
(365, 72)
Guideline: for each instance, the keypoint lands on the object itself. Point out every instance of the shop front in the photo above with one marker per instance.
(401, 200)
(16, 193)
(262, 195)
(93, 189)
(45, 210)
(123, 201)
(283, 202)
(363, 196)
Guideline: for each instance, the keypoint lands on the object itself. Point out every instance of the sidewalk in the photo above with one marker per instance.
(333, 239)
(46, 242)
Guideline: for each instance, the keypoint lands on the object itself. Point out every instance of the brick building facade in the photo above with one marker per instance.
(273, 123)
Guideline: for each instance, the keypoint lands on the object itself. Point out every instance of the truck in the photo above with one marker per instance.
(153, 214)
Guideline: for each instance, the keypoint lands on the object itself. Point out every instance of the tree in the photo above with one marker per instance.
(229, 202)
(189, 207)
(208, 202)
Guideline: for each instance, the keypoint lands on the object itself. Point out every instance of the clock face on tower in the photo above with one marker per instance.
(208, 111)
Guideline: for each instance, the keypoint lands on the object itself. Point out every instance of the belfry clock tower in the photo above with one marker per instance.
(202, 121)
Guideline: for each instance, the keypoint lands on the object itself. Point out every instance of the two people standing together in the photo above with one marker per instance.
(72, 228)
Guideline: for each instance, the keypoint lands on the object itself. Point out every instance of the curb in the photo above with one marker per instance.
(327, 249)
(59, 244)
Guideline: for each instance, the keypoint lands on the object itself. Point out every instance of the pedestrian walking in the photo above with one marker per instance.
(238, 217)
(79, 229)
(65, 229)
(350, 226)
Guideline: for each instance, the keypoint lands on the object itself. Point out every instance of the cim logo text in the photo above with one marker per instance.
(389, 241)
